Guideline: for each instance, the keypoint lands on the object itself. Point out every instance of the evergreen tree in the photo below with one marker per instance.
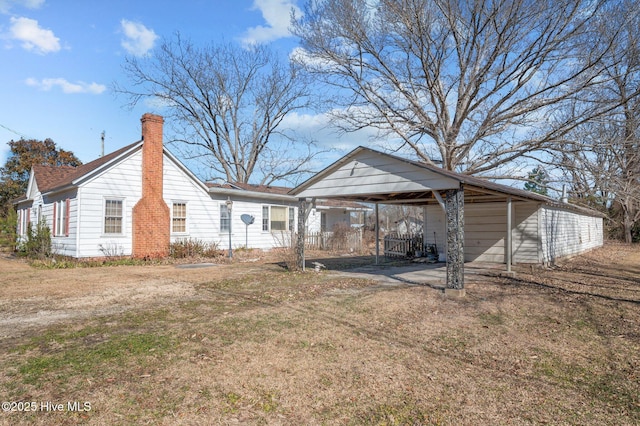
(537, 181)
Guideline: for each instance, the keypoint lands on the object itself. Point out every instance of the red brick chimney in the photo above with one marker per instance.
(151, 227)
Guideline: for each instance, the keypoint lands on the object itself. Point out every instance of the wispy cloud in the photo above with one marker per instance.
(277, 15)
(66, 86)
(139, 39)
(33, 37)
(6, 5)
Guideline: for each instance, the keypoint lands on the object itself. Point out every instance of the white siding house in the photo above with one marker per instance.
(90, 208)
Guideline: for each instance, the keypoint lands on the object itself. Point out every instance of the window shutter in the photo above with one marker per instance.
(28, 215)
(66, 218)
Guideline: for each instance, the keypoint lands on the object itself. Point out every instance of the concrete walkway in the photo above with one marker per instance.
(430, 274)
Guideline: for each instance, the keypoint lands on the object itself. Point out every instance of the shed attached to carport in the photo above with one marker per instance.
(475, 219)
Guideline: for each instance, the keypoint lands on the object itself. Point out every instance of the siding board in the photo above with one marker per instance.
(368, 173)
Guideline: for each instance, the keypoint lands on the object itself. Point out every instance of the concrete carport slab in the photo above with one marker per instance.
(432, 275)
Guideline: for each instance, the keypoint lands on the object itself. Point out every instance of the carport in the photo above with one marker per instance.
(370, 176)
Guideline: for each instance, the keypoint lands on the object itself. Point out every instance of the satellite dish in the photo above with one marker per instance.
(248, 220)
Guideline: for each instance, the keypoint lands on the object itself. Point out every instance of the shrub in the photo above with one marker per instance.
(191, 247)
(8, 234)
(38, 242)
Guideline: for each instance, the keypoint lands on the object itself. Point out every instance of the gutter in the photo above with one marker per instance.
(249, 194)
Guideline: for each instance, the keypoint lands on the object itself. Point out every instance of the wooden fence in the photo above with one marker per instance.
(402, 245)
(349, 241)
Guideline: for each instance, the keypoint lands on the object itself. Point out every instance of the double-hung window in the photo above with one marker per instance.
(224, 218)
(61, 218)
(25, 219)
(265, 218)
(277, 218)
(179, 218)
(113, 216)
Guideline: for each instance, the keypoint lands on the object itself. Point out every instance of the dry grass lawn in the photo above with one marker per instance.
(250, 343)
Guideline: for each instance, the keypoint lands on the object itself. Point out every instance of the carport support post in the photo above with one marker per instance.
(302, 218)
(454, 212)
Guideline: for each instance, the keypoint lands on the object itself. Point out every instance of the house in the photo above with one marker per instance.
(469, 218)
(139, 199)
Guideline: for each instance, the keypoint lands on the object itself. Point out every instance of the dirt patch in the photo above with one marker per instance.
(32, 297)
(253, 344)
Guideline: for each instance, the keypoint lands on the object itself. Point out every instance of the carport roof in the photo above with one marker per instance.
(367, 175)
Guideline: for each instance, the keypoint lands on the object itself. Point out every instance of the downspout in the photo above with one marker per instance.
(377, 235)
(78, 216)
(508, 242)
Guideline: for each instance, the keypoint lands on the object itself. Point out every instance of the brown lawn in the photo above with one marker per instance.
(250, 343)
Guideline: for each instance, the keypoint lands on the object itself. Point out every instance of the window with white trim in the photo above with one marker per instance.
(179, 218)
(23, 223)
(61, 218)
(113, 216)
(265, 218)
(277, 218)
(224, 218)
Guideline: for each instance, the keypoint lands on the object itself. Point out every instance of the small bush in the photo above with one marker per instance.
(38, 242)
(111, 250)
(191, 247)
(287, 256)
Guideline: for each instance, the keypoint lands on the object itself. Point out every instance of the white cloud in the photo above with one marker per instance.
(139, 39)
(6, 5)
(33, 37)
(66, 86)
(277, 14)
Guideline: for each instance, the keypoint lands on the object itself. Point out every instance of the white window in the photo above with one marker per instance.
(224, 218)
(265, 218)
(25, 219)
(113, 216)
(61, 218)
(277, 218)
(179, 218)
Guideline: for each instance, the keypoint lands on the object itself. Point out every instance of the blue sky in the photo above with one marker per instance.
(59, 59)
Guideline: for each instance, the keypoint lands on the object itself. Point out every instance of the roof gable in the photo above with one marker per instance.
(394, 175)
(366, 171)
(345, 179)
(50, 178)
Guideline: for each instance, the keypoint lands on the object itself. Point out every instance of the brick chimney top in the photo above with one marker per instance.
(152, 155)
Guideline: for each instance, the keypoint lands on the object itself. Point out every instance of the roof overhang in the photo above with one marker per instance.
(370, 176)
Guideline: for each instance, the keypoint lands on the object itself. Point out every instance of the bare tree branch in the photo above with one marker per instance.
(480, 81)
(226, 105)
(602, 158)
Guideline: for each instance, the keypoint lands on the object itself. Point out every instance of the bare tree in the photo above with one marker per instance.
(471, 85)
(602, 161)
(227, 105)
